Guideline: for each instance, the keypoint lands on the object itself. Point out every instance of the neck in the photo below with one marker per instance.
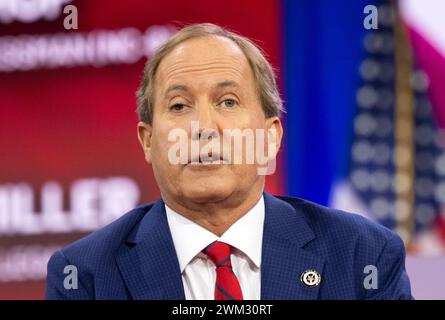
(218, 216)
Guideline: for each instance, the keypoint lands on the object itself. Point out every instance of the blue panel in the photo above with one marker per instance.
(321, 58)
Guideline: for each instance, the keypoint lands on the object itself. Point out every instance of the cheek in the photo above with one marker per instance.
(243, 121)
(160, 147)
(253, 116)
(161, 132)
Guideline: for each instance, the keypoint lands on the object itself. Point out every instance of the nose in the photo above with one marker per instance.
(207, 122)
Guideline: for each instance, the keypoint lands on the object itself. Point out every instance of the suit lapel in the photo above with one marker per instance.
(284, 258)
(148, 260)
(150, 267)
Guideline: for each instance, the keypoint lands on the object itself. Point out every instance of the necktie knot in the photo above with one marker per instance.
(219, 253)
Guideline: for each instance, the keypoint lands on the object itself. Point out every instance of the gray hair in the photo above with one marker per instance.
(262, 70)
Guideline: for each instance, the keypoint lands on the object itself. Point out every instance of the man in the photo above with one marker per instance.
(216, 234)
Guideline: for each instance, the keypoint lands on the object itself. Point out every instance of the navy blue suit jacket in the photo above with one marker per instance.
(134, 257)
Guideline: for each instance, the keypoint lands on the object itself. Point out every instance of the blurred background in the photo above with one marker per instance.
(364, 128)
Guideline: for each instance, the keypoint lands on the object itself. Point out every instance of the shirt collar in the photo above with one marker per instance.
(246, 235)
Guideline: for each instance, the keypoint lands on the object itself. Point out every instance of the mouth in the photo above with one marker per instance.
(208, 160)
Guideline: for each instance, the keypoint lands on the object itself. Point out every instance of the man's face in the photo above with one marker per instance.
(207, 80)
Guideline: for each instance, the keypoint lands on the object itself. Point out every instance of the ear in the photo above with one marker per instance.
(275, 134)
(144, 131)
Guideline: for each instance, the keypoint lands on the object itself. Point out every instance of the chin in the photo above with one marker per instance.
(203, 193)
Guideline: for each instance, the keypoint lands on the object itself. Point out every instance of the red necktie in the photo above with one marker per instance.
(227, 286)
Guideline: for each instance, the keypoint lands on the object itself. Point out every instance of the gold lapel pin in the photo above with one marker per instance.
(310, 278)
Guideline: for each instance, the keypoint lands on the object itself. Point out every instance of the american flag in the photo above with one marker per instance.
(397, 164)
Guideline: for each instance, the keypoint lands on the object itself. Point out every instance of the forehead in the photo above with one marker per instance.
(200, 59)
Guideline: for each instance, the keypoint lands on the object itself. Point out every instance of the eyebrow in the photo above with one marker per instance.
(227, 84)
(220, 85)
(175, 87)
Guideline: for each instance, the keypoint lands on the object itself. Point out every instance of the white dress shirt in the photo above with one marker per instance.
(198, 272)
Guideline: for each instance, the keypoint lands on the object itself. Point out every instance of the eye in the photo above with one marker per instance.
(229, 103)
(177, 107)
